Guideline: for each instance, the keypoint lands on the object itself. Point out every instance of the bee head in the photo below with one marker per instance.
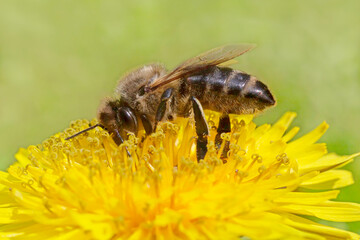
(116, 117)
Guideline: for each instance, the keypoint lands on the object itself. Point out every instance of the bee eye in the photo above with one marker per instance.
(127, 119)
(141, 91)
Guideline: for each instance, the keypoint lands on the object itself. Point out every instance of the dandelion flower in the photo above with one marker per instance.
(89, 188)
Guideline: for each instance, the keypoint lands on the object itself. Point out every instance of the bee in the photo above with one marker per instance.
(150, 94)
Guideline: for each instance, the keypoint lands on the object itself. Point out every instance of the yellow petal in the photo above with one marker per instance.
(307, 198)
(331, 211)
(327, 162)
(289, 135)
(22, 157)
(279, 128)
(329, 180)
(325, 231)
(311, 137)
(97, 225)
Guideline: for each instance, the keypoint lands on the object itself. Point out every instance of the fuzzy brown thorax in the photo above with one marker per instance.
(130, 88)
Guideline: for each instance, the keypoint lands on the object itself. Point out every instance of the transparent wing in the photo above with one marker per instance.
(212, 57)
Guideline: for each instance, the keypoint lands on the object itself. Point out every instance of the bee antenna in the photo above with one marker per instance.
(85, 130)
(122, 141)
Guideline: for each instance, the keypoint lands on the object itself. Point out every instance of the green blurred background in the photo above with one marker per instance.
(59, 58)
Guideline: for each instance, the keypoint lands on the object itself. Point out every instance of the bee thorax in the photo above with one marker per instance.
(131, 87)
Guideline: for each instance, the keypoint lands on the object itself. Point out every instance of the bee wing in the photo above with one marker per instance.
(212, 57)
(228, 63)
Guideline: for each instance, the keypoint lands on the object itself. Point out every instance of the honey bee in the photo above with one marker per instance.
(150, 94)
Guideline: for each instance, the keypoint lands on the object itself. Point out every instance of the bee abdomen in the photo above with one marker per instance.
(243, 85)
(236, 83)
(228, 90)
(211, 80)
(215, 80)
(248, 87)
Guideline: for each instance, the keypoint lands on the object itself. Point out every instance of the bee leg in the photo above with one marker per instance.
(147, 124)
(160, 113)
(224, 127)
(202, 129)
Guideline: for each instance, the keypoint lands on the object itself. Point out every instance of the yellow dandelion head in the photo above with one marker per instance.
(251, 187)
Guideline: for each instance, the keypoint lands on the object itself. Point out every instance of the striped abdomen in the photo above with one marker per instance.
(229, 91)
